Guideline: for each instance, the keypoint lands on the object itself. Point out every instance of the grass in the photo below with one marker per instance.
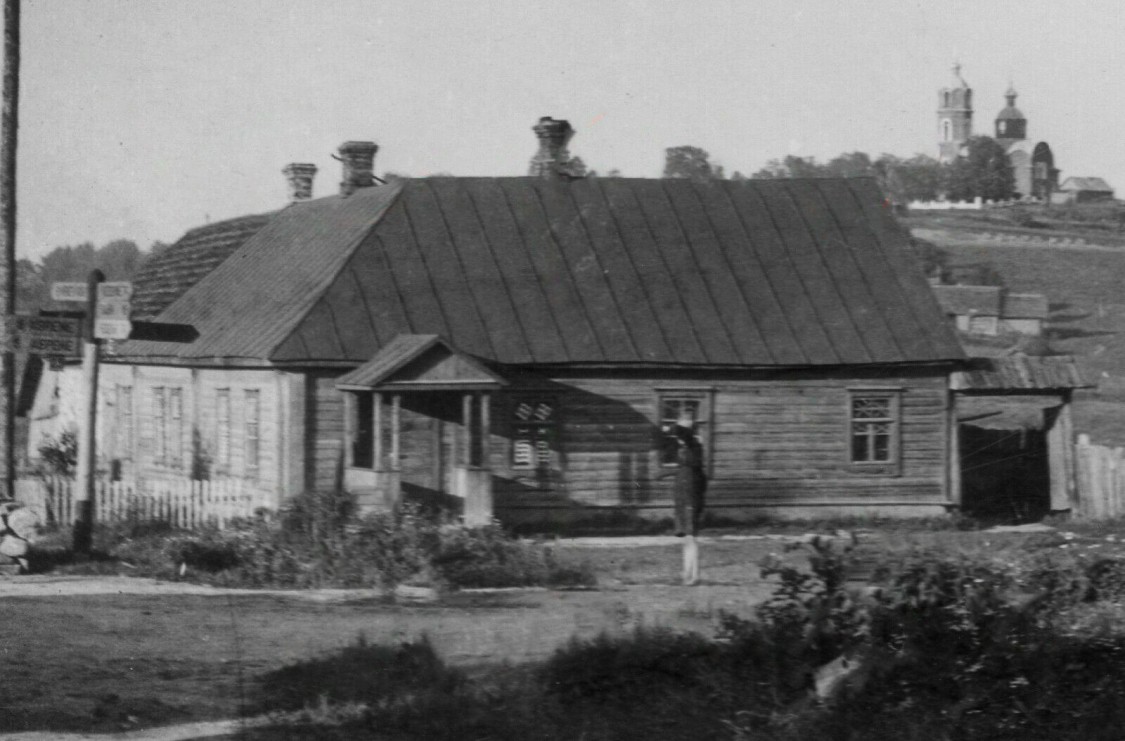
(949, 652)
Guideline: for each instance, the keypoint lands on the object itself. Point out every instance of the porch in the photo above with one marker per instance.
(417, 422)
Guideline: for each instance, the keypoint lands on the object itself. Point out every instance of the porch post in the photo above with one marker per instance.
(954, 461)
(467, 424)
(377, 436)
(485, 432)
(396, 402)
(349, 429)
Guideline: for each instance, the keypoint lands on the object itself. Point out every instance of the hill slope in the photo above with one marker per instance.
(1085, 285)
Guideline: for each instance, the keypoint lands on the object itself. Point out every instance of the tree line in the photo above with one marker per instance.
(983, 171)
(119, 259)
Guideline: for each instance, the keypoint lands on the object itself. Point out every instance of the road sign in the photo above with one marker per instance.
(119, 290)
(112, 329)
(47, 335)
(113, 309)
(69, 292)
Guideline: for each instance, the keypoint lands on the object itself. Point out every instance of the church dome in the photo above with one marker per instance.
(1010, 112)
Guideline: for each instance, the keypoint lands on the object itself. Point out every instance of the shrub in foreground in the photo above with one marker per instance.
(319, 541)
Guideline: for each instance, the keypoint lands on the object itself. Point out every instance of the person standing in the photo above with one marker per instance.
(689, 492)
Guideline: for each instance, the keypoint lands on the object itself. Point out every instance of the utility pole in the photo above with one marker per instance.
(9, 123)
(87, 423)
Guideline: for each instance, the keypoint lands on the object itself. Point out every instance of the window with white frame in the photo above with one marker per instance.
(533, 433)
(159, 425)
(675, 406)
(175, 427)
(123, 423)
(252, 449)
(222, 431)
(874, 429)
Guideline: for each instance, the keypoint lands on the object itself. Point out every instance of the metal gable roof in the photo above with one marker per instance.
(613, 270)
(402, 351)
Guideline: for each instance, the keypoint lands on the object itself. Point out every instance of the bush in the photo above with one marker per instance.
(487, 557)
(360, 673)
(318, 541)
(630, 669)
(60, 455)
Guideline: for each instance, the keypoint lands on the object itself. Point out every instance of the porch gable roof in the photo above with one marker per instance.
(419, 362)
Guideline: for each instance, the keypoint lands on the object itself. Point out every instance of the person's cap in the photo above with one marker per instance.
(685, 420)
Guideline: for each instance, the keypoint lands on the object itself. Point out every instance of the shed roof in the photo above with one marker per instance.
(589, 271)
(1095, 184)
(1025, 306)
(167, 277)
(969, 300)
(1020, 372)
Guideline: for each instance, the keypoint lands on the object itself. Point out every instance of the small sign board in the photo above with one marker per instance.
(115, 291)
(47, 335)
(69, 292)
(113, 309)
(112, 329)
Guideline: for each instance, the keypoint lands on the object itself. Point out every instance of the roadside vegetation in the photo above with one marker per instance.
(319, 542)
(1013, 644)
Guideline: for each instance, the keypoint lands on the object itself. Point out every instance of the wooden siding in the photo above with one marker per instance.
(199, 389)
(776, 440)
(771, 442)
(324, 431)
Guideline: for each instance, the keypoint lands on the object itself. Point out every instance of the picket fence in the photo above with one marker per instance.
(178, 502)
(1100, 480)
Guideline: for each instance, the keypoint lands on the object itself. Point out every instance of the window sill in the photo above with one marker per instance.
(888, 470)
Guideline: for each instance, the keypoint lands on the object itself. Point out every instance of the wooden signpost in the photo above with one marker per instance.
(108, 305)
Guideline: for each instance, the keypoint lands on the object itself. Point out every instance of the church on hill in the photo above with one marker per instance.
(1033, 163)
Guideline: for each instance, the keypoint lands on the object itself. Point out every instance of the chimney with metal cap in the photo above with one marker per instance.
(552, 160)
(358, 159)
(300, 176)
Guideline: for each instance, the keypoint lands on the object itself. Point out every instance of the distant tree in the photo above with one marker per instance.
(791, 167)
(850, 165)
(30, 286)
(690, 162)
(119, 259)
(984, 172)
(919, 178)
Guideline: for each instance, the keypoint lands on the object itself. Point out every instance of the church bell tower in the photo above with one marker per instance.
(955, 117)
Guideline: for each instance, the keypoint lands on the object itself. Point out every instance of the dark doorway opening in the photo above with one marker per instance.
(1005, 475)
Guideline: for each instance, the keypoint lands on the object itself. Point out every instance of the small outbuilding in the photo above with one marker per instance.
(1083, 190)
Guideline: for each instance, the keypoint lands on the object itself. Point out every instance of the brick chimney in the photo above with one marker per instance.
(358, 159)
(300, 176)
(552, 160)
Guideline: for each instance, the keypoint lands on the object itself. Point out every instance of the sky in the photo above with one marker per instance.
(140, 119)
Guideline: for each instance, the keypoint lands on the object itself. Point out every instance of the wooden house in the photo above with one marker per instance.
(1083, 190)
(522, 344)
